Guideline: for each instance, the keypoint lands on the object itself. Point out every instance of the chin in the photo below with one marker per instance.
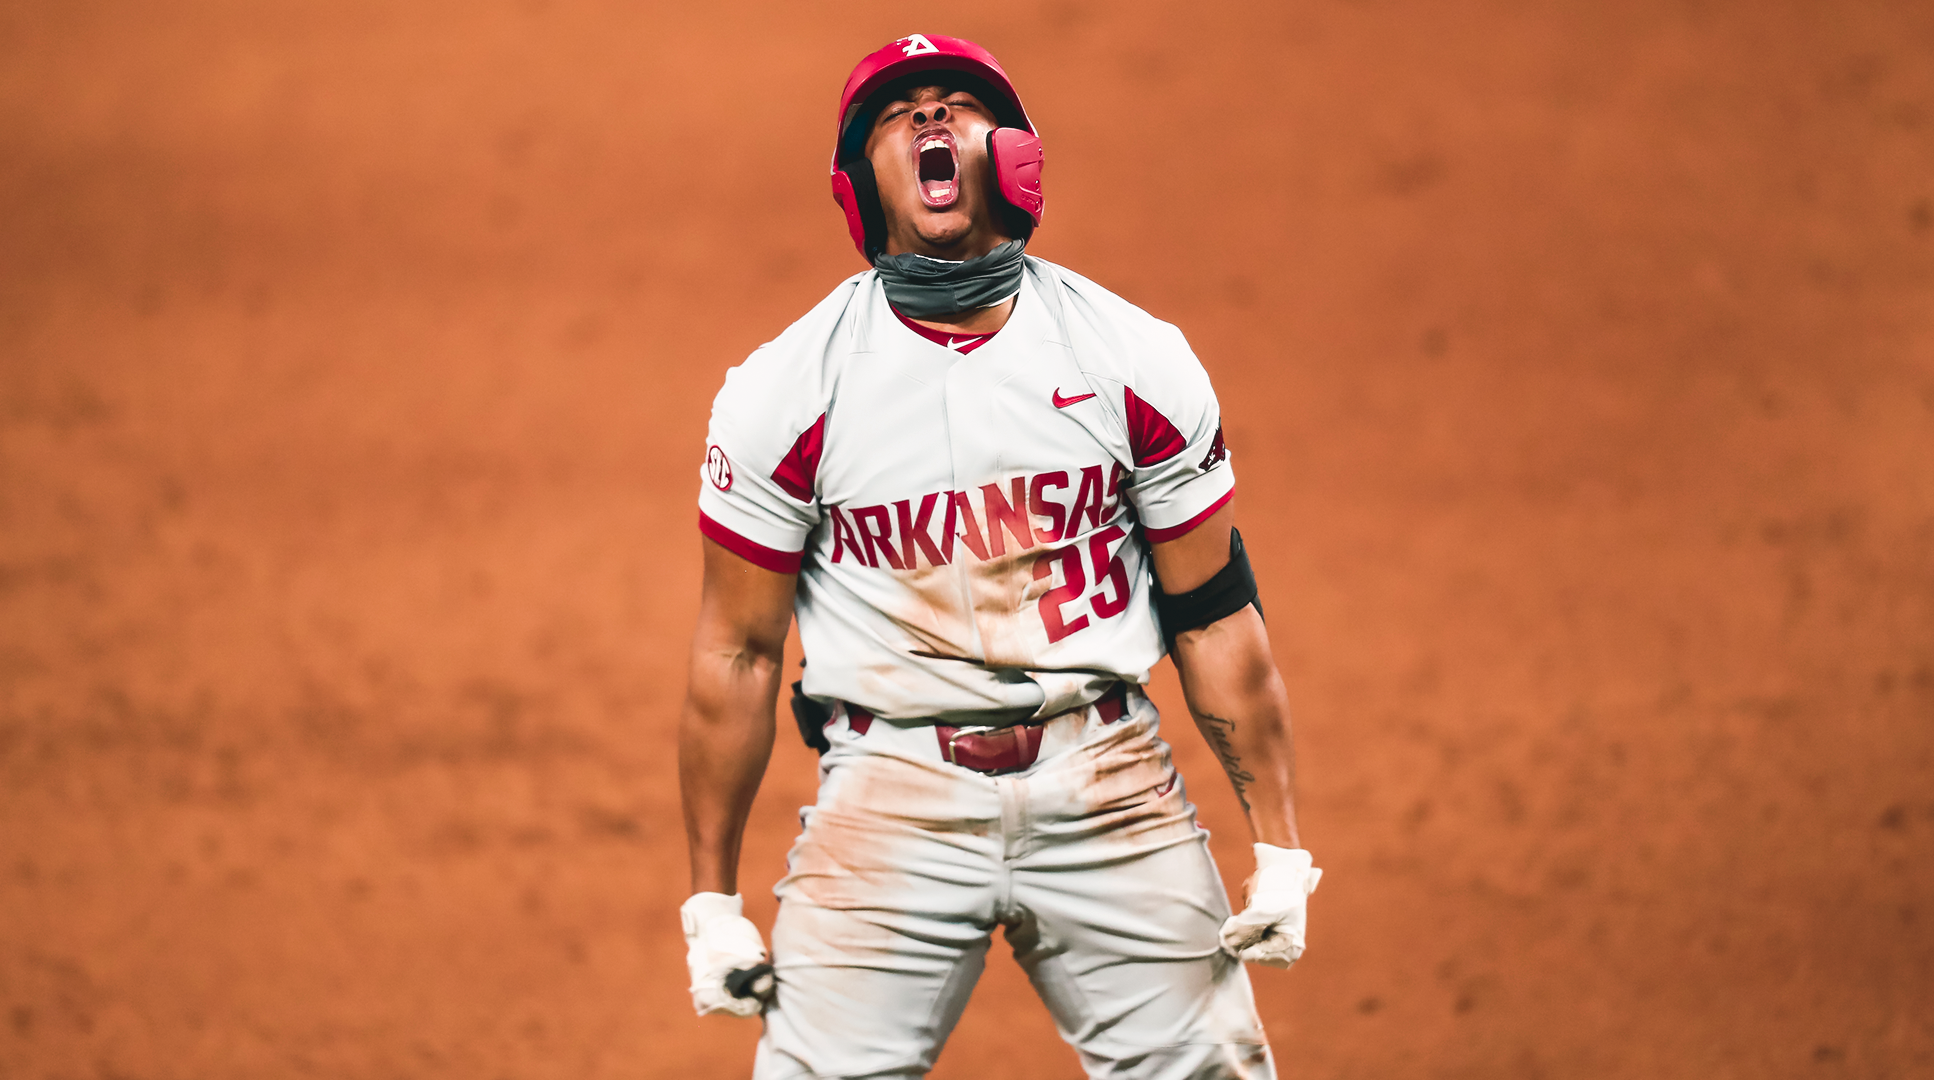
(946, 228)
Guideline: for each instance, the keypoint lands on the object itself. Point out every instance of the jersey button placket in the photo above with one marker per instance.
(960, 381)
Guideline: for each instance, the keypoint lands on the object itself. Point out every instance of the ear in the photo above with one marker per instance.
(1017, 158)
(856, 192)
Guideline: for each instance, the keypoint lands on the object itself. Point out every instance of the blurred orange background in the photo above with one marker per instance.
(355, 359)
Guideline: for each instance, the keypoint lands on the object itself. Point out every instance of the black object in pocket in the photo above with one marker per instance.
(811, 717)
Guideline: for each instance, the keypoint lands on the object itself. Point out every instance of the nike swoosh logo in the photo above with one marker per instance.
(956, 345)
(1063, 402)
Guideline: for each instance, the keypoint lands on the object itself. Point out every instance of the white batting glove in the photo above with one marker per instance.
(1270, 930)
(719, 942)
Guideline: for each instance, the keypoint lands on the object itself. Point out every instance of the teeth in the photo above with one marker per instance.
(932, 144)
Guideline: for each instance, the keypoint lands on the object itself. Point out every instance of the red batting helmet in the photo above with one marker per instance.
(1013, 146)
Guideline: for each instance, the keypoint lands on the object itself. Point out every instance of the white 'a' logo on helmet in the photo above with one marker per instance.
(917, 44)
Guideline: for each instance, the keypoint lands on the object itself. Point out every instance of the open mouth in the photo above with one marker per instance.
(936, 164)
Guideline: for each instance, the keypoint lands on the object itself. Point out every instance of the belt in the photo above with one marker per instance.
(998, 750)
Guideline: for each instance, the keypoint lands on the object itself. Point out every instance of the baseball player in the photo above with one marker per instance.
(994, 494)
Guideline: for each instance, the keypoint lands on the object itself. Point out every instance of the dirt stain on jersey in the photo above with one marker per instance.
(974, 611)
(936, 620)
(1002, 589)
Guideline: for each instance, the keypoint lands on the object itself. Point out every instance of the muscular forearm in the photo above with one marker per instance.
(724, 741)
(1236, 696)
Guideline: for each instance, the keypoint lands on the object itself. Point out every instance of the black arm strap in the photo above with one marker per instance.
(1231, 589)
(811, 717)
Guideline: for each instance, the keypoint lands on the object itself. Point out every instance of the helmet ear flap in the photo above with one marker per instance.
(858, 194)
(1017, 158)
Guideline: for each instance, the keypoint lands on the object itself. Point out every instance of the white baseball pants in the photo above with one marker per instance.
(1091, 861)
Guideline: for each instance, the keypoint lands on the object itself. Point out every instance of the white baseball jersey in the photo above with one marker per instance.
(964, 526)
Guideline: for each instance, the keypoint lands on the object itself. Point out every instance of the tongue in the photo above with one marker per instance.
(939, 193)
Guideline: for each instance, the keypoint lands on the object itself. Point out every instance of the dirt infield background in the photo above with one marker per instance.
(354, 366)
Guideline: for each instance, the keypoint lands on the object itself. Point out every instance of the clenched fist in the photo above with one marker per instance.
(1270, 931)
(726, 955)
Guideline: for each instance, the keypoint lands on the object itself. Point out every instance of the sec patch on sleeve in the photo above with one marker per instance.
(718, 468)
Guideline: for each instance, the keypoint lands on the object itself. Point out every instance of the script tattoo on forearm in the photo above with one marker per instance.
(1217, 731)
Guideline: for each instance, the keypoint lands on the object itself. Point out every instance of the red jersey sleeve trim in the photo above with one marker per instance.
(759, 555)
(1162, 536)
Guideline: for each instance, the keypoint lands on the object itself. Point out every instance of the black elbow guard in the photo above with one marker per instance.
(1231, 589)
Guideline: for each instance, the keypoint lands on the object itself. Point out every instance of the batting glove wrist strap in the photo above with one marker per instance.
(1271, 930)
(720, 940)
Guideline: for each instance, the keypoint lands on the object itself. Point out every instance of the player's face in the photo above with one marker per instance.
(929, 155)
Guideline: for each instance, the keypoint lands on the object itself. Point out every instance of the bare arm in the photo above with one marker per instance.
(726, 728)
(1233, 689)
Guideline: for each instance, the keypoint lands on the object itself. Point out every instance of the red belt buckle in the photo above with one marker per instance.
(997, 750)
(990, 750)
(950, 741)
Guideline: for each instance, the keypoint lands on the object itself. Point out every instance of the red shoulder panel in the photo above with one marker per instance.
(799, 469)
(1151, 436)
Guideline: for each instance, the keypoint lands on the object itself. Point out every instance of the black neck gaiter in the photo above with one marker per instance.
(923, 287)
